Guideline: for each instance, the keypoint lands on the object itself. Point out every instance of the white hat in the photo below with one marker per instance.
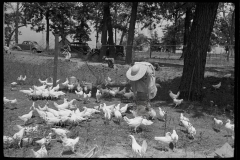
(136, 72)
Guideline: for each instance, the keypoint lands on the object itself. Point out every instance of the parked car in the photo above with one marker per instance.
(118, 48)
(29, 45)
(79, 47)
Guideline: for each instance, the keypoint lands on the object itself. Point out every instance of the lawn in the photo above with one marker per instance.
(113, 140)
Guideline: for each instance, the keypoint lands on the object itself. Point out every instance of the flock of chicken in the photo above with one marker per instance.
(67, 112)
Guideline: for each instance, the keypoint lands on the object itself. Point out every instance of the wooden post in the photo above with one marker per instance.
(150, 50)
(55, 59)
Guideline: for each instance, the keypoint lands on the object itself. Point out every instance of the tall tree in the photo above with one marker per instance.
(104, 31)
(196, 51)
(16, 23)
(129, 56)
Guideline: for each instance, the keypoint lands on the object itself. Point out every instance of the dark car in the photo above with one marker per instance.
(30, 45)
(80, 47)
(118, 48)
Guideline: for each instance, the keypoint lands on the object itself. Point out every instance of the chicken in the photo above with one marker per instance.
(152, 113)
(146, 122)
(14, 101)
(137, 149)
(79, 94)
(44, 108)
(98, 95)
(68, 142)
(5, 100)
(42, 114)
(70, 87)
(110, 107)
(174, 137)
(24, 78)
(65, 112)
(217, 86)
(227, 75)
(70, 103)
(66, 82)
(68, 56)
(79, 88)
(191, 130)
(174, 96)
(165, 140)
(177, 102)
(89, 95)
(217, 122)
(117, 114)
(45, 140)
(113, 92)
(186, 124)
(52, 120)
(19, 78)
(26, 117)
(42, 152)
(42, 82)
(229, 126)
(123, 91)
(124, 109)
(128, 95)
(50, 114)
(13, 84)
(91, 110)
(117, 106)
(60, 131)
(61, 106)
(56, 88)
(135, 122)
(19, 135)
(107, 113)
(161, 112)
(183, 118)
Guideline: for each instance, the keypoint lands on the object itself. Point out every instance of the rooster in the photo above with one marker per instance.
(68, 142)
(174, 96)
(135, 122)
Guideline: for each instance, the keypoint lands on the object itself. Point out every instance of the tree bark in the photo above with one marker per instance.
(16, 24)
(47, 34)
(187, 23)
(3, 26)
(196, 51)
(104, 33)
(110, 33)
(129, 57)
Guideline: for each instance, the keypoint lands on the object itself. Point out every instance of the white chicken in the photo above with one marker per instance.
(128, 95)
(60, 131)
(152, 113)
(124, 108)
(42, 82)
(166, 139)
(217, 121)
(26, 117)
(186, 124)
(45, 140)
(177, 102)
(14, 101)
(42, 114)
(229, 126)
(66, 82)
(227, 75)
(68, 142)
(42, 152)
(52, 120)
(79, 94)
(137, 149)
(56, 88)
(5, 100)
(147, 122)
(19, 135)
(89, 95)
(135, 122)
(174, 96)
(70, 87)
(117, 114)
(184, 118)
(217, 86)
(98, 95)
(191, 131)
(68, 56)
(64, 112)
(61, 106)
(174, 136)
(161, 112)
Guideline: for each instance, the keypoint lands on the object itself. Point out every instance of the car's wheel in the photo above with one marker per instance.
(34, 50)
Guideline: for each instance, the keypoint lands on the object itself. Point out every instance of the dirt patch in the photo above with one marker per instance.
(113, 139)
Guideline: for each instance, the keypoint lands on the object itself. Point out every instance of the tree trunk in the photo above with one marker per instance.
(231, 29)
(47, 34)
(104, 32)
(16, 24)
(3, 26)
(124, 32)
(129, 57)
(196, 51)
(110, 33)
(175, 32)
(186, 30)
